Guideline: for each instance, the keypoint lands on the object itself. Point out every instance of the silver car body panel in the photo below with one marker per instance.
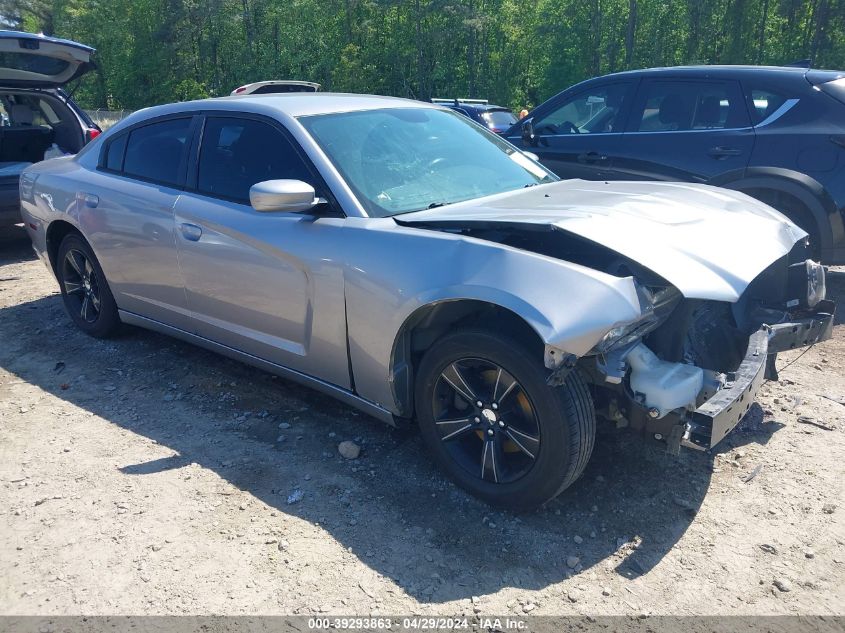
(325, 299)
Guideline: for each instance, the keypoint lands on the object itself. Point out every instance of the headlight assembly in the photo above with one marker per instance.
(655, 306)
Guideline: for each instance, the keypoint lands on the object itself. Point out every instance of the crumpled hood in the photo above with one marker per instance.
(710, 243)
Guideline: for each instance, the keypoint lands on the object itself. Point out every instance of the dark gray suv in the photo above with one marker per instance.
(39, 120)
(775, 133)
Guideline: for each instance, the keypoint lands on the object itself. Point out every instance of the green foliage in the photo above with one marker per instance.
(513, 52)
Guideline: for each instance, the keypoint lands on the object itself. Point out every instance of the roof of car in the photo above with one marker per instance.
(482, 107)
(292, 103)
(723, 71)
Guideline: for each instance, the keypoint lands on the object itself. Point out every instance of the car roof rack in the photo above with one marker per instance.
(457, 101)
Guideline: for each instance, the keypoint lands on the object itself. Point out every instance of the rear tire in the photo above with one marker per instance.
(525, 442)
(85, 292)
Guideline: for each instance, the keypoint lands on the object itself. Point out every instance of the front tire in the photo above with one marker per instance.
(493, 424)
(85, 292)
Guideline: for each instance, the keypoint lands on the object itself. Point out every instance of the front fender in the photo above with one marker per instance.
(395, 271)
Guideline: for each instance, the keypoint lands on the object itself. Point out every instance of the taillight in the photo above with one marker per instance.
(239, 90)
(91, 134)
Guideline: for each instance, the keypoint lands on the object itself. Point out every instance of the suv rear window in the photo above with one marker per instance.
(30, 63)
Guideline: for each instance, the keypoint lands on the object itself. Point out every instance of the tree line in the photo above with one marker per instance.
(513, 52)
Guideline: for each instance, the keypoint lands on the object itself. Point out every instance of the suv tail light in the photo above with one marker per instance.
(91, 134)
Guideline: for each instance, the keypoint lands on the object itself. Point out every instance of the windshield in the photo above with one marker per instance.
(499, 120)
(400, 160)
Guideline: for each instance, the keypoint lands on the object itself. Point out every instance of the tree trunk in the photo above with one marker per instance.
(761, 37)
(630, 33)
(819, 34)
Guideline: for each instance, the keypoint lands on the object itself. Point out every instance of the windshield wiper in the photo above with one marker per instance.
(434, 205)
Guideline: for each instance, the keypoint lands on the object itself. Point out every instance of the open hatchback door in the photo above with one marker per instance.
(28, 60)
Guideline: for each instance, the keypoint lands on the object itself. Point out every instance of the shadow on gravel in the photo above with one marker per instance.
(14, 245)
(390, 507)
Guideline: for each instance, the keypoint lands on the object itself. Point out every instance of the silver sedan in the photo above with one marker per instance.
(407, 261)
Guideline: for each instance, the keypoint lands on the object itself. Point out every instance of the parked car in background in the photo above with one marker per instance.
(276, 86)
(38, 118)
(775, 133)
(402, 259)
(495, 118)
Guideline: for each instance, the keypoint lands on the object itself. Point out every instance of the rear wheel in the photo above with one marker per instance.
(85, 291)
(494, 425)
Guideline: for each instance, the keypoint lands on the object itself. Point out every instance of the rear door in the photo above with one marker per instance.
(261, 283)
(578, 134)
(687, 130)
(28, 60)
(126, 210)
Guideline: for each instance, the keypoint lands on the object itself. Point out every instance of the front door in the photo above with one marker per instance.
(257, 281)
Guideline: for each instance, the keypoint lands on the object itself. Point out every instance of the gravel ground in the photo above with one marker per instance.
(142, 475)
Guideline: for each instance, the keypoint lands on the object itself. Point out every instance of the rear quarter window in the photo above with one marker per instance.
(113, 160)
(765, 103)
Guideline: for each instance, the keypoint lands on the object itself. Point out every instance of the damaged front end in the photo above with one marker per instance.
(690, 369)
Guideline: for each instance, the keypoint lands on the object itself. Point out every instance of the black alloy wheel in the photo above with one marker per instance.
(85, 292)
(495, 426)
(81, 286)
(486, 420)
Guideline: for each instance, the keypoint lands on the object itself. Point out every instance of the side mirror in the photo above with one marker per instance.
(528, 134)
(293, 196)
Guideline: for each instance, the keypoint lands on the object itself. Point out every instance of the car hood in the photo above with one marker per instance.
(28, 60)
(709, 243)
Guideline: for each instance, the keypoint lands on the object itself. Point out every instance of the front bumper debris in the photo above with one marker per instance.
(713, 420)
(803, 332)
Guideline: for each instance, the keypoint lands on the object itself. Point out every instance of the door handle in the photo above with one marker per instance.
(591, 157)
(191, 232)
(720, 152)
(89, 199)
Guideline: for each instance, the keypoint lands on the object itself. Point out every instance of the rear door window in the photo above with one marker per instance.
(680, 106)
(158, 151)
(237, 153)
